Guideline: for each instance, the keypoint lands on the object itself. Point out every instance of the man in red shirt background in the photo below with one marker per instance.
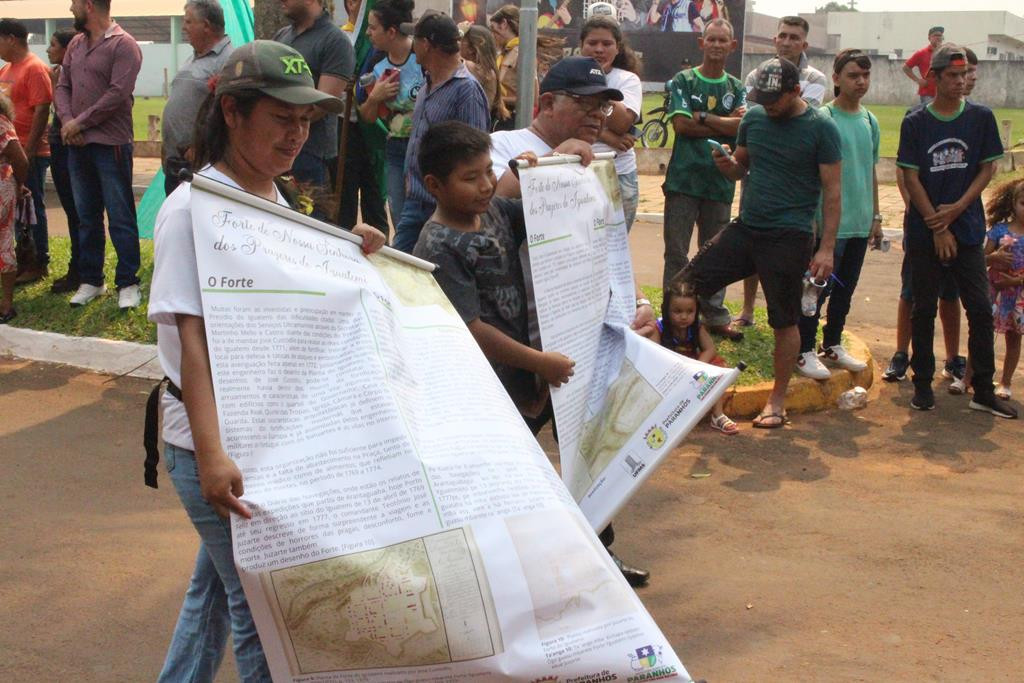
(922, 59)
(26, 80)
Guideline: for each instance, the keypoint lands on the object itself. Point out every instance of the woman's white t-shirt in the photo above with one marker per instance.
(175, 289)
(633, 98)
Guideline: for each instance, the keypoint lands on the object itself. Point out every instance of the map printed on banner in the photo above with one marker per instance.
(631, 401)
(406, 524)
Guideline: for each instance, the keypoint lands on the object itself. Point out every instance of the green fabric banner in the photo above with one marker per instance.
(238, 24)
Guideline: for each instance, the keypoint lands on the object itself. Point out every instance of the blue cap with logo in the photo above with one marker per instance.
(579, 76)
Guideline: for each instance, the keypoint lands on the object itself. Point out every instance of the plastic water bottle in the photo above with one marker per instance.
(853, 399)
(812, 290)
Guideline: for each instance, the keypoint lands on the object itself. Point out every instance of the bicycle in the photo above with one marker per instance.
(655, 132)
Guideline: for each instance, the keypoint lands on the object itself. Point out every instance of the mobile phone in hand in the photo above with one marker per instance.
(715, 144)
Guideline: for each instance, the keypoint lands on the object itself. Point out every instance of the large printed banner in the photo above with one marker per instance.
(407, 526)
(631, 401)
(663, 32)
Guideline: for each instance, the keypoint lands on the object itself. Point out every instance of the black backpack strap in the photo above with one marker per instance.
(149, 437)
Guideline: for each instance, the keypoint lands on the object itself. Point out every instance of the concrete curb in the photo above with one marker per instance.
(91, 353)
(805, 395)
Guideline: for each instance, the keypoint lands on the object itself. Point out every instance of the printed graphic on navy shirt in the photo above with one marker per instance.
(947, 155)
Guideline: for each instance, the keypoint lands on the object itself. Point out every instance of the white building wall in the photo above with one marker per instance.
(156, 60)
(888, 32)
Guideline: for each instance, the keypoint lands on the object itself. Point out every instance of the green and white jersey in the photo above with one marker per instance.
(691, 170)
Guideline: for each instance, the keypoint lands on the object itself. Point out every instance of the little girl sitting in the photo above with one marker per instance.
(680, 330)
(1004, 255)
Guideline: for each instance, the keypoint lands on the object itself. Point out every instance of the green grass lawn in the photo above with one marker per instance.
(144, 106)
(889, 118)
(38, 309)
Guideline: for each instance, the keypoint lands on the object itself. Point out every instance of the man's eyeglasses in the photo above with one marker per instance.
(589, 103)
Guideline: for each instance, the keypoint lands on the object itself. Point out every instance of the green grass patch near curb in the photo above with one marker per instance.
(38, 309)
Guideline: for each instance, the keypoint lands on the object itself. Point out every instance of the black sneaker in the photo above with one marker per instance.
(990, 404)
(955, 369)
(897, 370)
(68, 283)
(924, 399)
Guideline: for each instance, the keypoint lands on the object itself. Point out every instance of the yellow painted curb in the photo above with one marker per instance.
(805, 395)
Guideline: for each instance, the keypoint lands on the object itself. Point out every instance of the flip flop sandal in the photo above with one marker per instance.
(762, 421)
(723, 424)
(743, 322)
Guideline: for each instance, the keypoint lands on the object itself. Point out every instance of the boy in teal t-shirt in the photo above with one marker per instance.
(705, 103)
(859, 223)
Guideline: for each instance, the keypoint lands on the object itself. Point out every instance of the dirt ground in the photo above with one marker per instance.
(877, 545)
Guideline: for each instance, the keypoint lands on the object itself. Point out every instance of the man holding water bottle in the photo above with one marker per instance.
(790, 155)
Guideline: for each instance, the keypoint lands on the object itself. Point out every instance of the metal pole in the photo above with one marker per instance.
(175, 42)
(527, 65)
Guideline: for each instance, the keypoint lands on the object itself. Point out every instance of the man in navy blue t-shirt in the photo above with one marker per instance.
(947, 156)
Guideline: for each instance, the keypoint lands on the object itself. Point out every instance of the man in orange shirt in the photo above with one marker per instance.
(26, 80)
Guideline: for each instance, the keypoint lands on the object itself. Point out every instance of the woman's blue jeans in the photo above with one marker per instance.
(395, 153)
(215, 604)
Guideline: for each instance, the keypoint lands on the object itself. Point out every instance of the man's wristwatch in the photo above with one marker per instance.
(643, 302)
(877, 217)
(702, 117)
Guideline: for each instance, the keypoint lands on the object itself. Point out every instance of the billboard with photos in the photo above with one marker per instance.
(663, 32)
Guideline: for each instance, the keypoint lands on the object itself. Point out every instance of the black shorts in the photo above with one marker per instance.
(779, 258)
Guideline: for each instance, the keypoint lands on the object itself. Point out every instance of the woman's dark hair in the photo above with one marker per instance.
(625, 59)
(210, 135)
(391, 13)
(63, 36)
(448, 144)
(677, 287)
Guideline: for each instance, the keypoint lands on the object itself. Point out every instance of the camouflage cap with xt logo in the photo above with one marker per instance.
(276, 70)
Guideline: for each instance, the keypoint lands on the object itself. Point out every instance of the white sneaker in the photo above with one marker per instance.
(839, 356)
(129, 297)
(808, 365)
(87, 293)
(958, 387)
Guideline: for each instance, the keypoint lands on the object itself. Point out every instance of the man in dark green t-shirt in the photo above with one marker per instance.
(790, 155)
(705, 103)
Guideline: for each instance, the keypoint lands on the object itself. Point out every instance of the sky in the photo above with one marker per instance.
(779, 8)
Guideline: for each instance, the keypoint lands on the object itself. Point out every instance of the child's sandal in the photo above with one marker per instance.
(725, 425)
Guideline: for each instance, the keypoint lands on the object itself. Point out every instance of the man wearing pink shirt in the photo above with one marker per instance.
(94, 100)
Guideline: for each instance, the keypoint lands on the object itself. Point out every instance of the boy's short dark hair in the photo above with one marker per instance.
(446, 145)
(972, 58)
(15, 29)
(793, 20)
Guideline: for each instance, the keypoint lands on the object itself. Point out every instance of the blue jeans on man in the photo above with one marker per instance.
(415, 213)
(62, 183)
(101, 177)
(35, 184)
(215, 604)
